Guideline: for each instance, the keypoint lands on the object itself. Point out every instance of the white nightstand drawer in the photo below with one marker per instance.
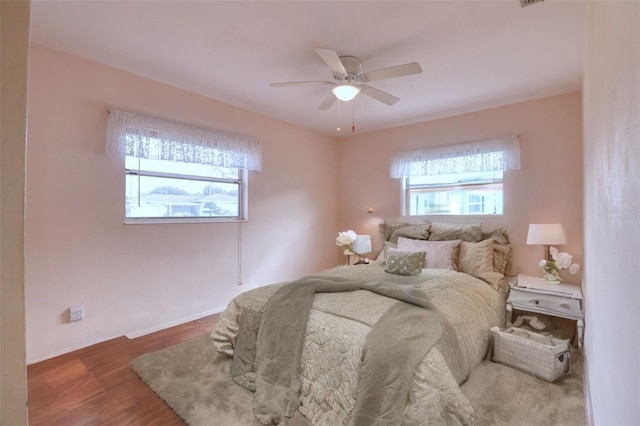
(545, 303)
(533, 294)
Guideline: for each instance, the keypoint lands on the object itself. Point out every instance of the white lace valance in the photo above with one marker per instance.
(143, 136)
(480, 156)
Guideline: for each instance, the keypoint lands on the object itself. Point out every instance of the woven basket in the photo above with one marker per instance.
(531, 353)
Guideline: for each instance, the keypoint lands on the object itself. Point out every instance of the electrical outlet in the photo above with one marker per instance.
(76, 313)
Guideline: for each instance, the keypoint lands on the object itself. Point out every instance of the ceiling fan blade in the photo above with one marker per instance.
(331, 58)
(378, 95)
(392, 72)
(328, 102)
(301, 83)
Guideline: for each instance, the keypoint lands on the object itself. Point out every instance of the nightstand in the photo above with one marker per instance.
(533, 294)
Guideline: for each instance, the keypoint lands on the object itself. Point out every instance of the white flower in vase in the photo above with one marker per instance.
(346, 239)
(559, 260)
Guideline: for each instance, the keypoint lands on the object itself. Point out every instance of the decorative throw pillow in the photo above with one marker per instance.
(476, 258)
(387, 228)
(455, 231)
(499, 235)
(391, 230)
(417, 232)
(382, 257)
(440, 254)
(404, 263)
(501, 258)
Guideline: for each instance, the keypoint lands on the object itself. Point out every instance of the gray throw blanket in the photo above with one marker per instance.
(393, 349)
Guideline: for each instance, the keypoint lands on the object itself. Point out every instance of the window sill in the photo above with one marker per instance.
(459, 218)
(145, 221)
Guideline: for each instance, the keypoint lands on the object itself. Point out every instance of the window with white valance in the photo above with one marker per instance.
(179, 172)
(458, 179)
(144, 136)
(479, 156)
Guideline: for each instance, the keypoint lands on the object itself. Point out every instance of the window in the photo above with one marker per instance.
(166, 189)
(476, 204)
(177, 172)
(454, 194)
(460, 179)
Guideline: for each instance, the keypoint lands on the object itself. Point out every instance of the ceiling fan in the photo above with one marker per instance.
(349, 81)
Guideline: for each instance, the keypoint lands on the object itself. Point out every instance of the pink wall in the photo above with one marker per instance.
(547, 188)
(612, 211)
(136, 278)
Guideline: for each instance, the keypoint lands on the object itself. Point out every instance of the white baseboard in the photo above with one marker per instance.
(140, 333)
(131, 335)
(586, 389)
(69, 349)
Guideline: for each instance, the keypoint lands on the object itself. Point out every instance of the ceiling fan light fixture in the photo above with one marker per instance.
(345, 92)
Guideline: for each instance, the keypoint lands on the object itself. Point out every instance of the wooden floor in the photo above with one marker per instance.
(95, 386)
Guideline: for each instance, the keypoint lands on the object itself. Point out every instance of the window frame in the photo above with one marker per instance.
(241, 181)
(144, 136)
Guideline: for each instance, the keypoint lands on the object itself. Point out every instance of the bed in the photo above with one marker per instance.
(344, 358)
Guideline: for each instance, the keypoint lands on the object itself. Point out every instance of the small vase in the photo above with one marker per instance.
(551, 273)
(551, 278)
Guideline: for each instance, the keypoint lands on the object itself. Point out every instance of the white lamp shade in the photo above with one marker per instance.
(546, 234)
(362, 244)
(346, 92)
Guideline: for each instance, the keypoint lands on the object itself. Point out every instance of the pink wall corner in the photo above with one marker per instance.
(132, 278)
(547, 188)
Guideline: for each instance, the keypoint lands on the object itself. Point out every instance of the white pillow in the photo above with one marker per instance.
(440, 254)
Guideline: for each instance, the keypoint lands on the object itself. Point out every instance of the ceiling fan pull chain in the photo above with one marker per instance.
(353, 116)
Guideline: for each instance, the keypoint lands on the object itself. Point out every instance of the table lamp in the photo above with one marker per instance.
(362, 245)
(546, 234)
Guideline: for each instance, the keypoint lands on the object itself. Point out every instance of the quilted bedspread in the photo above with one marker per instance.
(339, 323)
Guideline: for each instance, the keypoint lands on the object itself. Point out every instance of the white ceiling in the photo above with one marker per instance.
(474, 54)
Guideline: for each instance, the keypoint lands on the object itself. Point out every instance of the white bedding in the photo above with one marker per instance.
(339, 323)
